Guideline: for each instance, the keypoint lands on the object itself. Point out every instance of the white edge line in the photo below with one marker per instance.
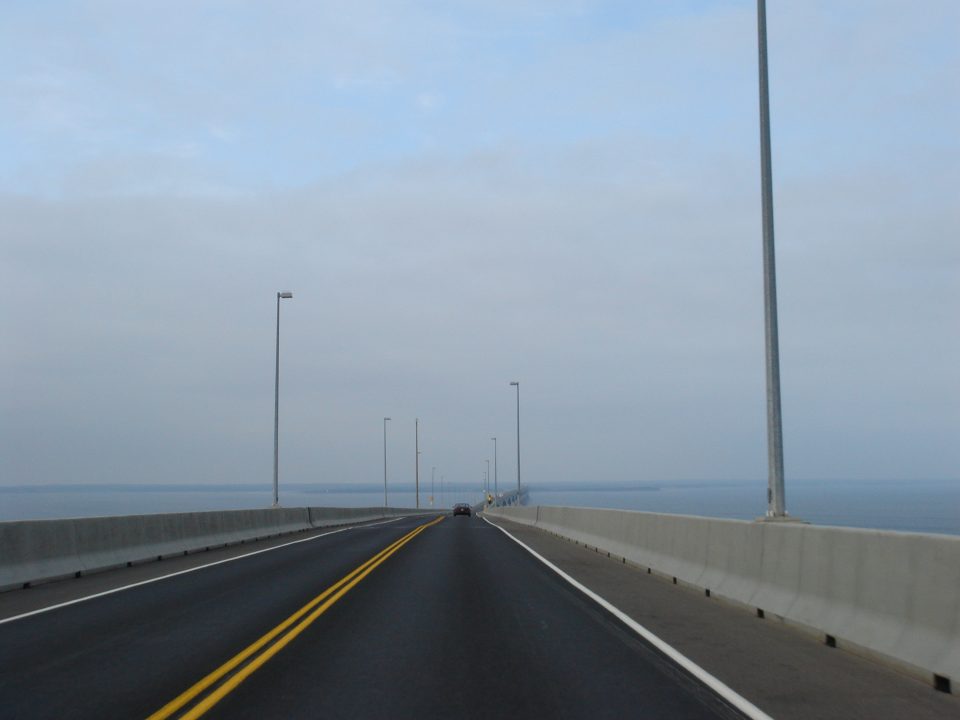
(190, 570)
(724, 691)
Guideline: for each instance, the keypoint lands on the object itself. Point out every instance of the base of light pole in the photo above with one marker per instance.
(782, 519)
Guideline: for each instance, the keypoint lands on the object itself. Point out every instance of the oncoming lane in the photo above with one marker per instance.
(209, 691)
(128, 653)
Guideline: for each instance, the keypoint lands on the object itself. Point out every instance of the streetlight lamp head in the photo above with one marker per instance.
(515, 383)
(388, 418)
(285, 295)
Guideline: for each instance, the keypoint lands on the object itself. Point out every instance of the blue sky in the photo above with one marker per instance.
(461, 194)
(254, 96)
(264, 96)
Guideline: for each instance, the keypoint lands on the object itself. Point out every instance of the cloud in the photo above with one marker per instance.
(584, 219)
(631, 314)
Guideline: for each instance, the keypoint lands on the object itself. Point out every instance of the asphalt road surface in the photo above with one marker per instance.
(419, 618)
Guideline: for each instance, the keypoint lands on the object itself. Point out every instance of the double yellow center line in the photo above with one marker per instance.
(312, 610)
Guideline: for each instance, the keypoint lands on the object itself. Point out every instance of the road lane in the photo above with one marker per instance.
(466, 624)
(128, 653)
(460, 621)
(215, 686)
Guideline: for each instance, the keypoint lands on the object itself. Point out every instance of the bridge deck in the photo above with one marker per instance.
(460, 621)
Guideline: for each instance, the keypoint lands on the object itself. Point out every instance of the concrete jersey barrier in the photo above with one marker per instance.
(33, 551)
(889, 595)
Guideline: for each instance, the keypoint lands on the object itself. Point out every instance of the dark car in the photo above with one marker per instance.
(462, 509)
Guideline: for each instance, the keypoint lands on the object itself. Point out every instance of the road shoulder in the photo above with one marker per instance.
(786, 673)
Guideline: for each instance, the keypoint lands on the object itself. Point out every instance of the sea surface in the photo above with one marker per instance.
(929, 506)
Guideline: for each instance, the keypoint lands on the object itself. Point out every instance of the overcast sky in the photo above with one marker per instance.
(461, 194)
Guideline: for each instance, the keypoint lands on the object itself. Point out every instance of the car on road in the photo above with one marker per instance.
(462, 509)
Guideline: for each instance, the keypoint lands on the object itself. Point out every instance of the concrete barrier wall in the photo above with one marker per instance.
(32, 551)
(889, 595)
(325, 517)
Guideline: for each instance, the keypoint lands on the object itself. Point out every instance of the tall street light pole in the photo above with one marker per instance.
(385, 461)
(276, 408)
(776, 506)
(517, 385)
(416, 426)
(488, 476)
(433, 474)
(495, 490)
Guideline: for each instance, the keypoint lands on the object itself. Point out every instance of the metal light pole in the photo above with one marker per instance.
(517, 384)
(776, 506)
(416, 425)
(276, 408)
(433, 474)
(495, 490)
(385, 461)
(488, 476)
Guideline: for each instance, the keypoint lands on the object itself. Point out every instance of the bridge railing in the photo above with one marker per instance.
(891, 596)
(33, 551)
(509, 498)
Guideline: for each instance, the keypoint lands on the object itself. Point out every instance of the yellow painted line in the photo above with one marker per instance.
(167, 710)
(338, 590)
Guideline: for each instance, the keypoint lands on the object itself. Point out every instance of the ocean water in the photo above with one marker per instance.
(930, 506)
(59, 502)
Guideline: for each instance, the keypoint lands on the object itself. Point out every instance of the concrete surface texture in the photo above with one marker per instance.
(787, 673)
(888, 595)
(33, 551)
